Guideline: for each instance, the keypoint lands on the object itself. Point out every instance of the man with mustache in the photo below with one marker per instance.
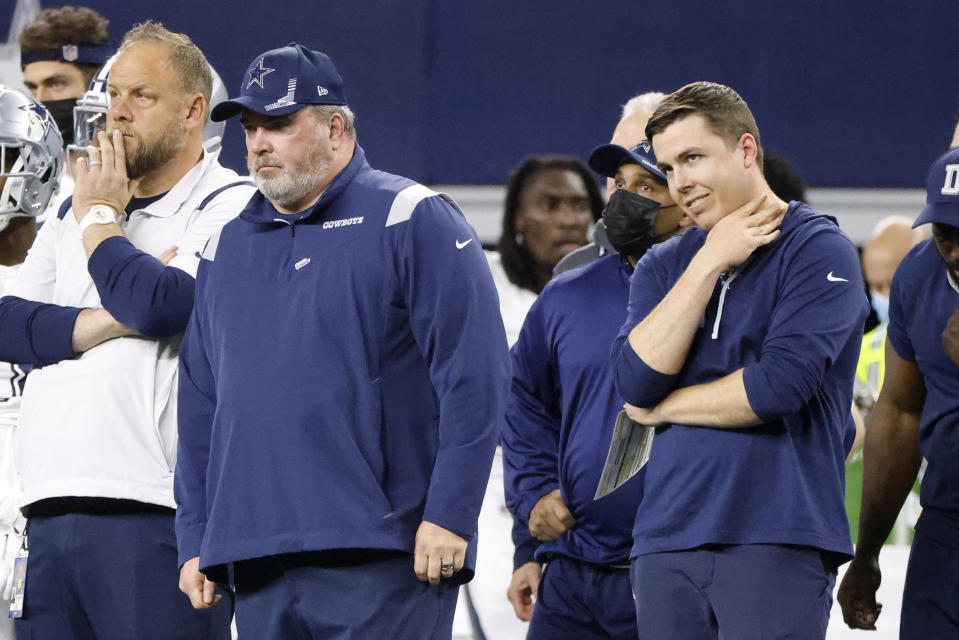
(98, 309)
(364, 443)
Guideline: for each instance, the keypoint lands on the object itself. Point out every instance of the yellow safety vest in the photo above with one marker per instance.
(871, 368)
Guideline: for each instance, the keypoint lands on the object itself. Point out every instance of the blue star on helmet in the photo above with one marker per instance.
(257, 73)
(38, 109)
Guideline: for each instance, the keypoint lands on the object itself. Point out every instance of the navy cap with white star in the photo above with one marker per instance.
(283, 81)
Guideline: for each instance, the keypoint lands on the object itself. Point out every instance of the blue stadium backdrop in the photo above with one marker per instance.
(858, 93)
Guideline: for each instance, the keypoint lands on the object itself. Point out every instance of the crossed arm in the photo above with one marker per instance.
(662, 340)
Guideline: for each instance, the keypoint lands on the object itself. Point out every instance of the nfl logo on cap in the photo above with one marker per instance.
(70, 52)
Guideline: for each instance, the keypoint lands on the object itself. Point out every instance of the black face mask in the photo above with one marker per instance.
(630, 223)
(62, 112)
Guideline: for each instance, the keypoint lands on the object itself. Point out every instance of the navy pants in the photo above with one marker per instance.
(930, 601)
(580, 601)
(369, 595)
(737, 592)
(110, 577)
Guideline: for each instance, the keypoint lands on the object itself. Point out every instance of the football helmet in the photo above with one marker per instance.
(31, 156)
(90, 114)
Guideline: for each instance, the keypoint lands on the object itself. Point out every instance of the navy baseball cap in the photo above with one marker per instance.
(283, 81)
(942, 191)
(607, 158)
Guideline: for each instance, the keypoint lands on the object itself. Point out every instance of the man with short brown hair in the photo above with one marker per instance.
(740, 347)
(98, 308)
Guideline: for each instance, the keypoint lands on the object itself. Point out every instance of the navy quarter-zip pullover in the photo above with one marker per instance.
(791, 317)
(343, 376)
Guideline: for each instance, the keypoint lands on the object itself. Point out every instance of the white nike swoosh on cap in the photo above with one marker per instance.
(460, 245)
(833, 278)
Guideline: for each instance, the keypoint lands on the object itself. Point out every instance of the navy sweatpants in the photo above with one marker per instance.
(930, 601)
(369, 595)
(110, 577)
(737, 592)
(580, 601)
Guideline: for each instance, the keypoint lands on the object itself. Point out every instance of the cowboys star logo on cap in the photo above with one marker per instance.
(70, 52)
(257, 74)
(299, 69)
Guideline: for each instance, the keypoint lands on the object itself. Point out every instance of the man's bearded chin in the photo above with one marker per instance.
(148, 157)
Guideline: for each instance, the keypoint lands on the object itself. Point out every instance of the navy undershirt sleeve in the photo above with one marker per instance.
(524, 545)
(36, 333)
(154, 300)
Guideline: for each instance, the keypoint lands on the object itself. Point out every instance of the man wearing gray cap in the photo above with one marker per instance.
(363, 443)
(916, 416)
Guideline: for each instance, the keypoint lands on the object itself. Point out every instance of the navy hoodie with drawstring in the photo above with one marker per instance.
(791, 317)
(342, 378)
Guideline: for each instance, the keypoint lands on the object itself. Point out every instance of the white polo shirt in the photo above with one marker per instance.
(104, 424)
(514, 301)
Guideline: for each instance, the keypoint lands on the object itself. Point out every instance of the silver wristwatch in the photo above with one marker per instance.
(98, 214)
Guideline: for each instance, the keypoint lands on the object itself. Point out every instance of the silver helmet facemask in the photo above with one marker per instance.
(31, 156)
(213, 131)
(90, 114)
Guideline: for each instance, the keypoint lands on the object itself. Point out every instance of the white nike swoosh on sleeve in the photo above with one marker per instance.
(833, 278)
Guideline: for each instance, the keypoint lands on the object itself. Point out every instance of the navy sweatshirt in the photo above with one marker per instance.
(561, 412)
(342, 378)
(791, 317)
(921, 301)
